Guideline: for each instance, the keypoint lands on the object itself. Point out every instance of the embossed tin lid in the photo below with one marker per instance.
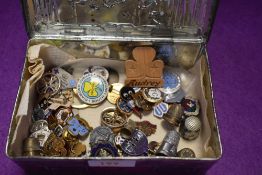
(158, 20)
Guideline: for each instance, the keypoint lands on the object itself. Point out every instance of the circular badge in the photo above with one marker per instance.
(113, 119)
(92, 88)
(99, 70)
(172, 82)
(152, 95)
(186, 152)
(49, 84)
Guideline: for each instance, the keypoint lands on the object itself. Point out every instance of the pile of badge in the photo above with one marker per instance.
(121, 137)
(57, 131)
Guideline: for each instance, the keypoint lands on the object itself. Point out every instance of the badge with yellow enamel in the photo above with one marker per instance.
(92, 88)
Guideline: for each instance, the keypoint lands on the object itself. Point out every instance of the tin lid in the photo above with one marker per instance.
(163, 20)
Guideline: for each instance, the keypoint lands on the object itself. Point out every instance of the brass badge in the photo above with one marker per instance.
(114, 92)
(143, 71)
(146, 127)
(76, 149)
(113, 119)
(55, 146)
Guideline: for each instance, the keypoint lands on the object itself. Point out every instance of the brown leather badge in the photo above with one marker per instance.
(143, 71)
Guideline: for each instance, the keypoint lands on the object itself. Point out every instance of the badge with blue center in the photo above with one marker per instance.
(172, 82)
(92, 88)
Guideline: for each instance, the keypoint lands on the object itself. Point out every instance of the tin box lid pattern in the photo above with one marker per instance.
(129, 20)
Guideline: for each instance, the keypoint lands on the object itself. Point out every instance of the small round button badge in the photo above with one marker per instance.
(92, 88)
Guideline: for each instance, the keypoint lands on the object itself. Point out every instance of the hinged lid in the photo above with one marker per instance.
(162, 20)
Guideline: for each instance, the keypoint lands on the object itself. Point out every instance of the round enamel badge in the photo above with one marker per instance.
(92, 88)
(172, 82)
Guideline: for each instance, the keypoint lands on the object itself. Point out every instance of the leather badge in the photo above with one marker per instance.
(144, 71)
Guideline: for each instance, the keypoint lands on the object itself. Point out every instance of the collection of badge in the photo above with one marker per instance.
(57, 131)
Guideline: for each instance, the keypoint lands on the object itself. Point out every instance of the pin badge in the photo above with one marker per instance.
(99, 70)
(142, 103)
(92, 88)
(101, 134)
(39, 125)
(114, 92)
(113, 119)
(41, 135)
(63, 97)
(58, 131)
(68, 137)
(41, 111)
(104, 150)
(152, 95)
(137, 145)
(54, 146)
(128, 129)
(146, 127)
(123, 107)
(153, 147)
(127, 93)
(172, 82)
(78, 127)
(49, 84)
(67, 80)
(76, 149)
(191, 106)
(63, 114)
(160, 109)
(119, 140)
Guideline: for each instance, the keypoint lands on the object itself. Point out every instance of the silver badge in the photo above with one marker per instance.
(41, 136)
(39, 125)
(137, 145)
(101, 134)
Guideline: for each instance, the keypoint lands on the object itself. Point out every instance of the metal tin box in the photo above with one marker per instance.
(186, 24)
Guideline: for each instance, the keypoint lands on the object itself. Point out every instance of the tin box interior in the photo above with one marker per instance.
(184, 23)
